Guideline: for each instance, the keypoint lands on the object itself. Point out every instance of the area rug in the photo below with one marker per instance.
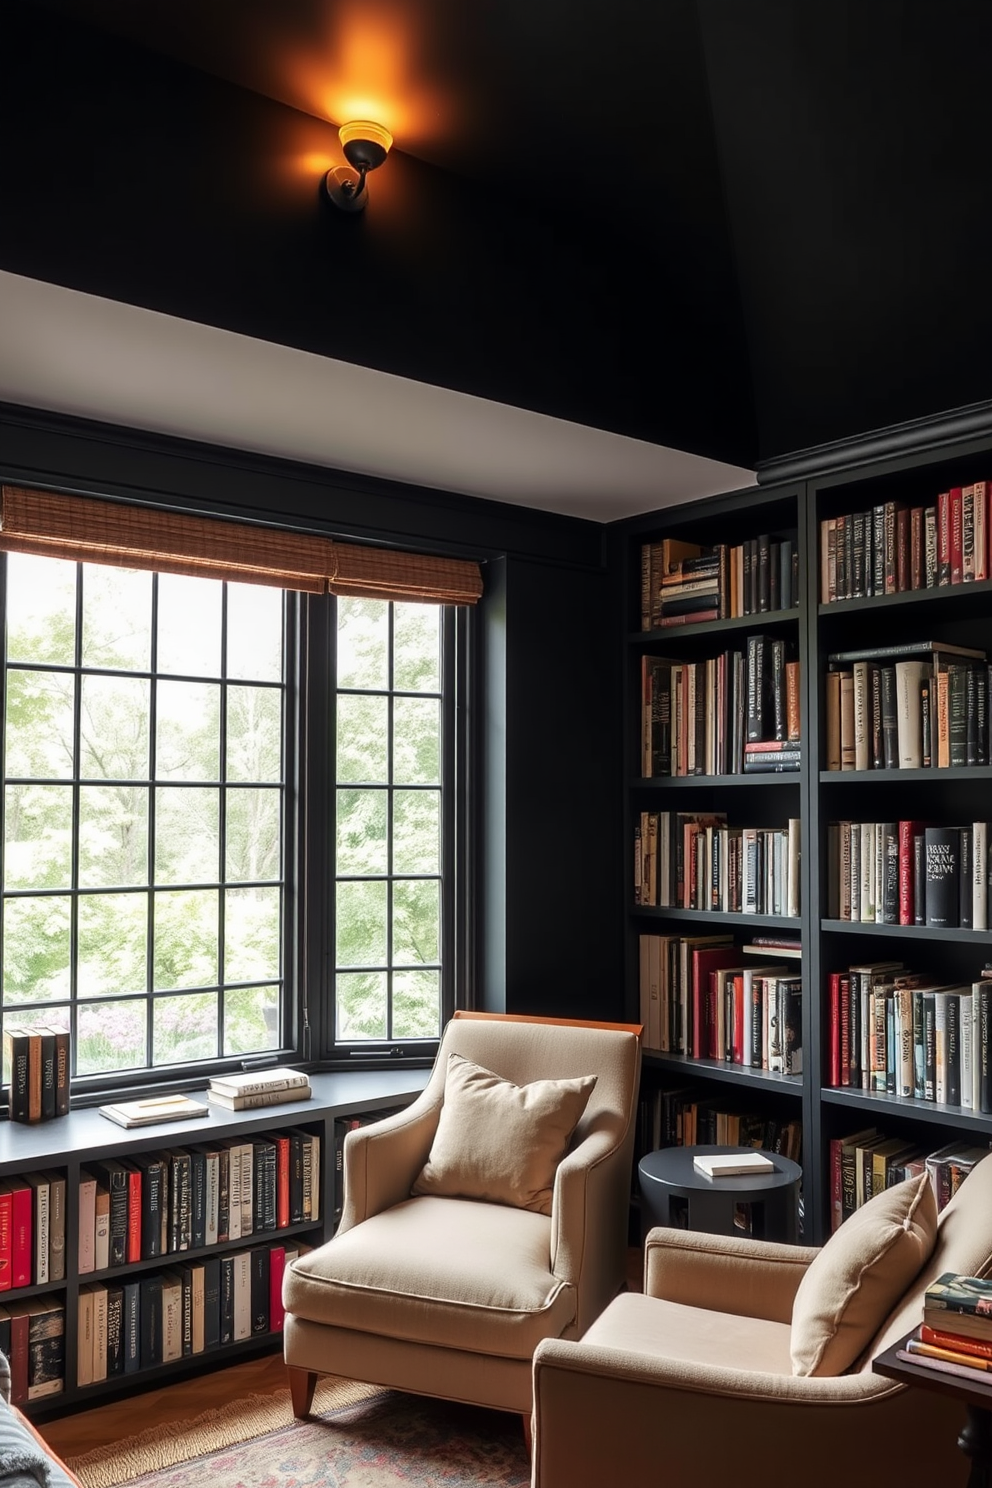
(375, 1439)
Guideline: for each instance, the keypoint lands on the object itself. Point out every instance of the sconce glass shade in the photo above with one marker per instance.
(365, 144)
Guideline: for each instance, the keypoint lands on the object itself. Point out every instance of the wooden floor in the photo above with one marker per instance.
(82, 1432)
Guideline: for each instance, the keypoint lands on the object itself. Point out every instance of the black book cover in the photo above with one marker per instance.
(929, 1047)
(180, 1200)
(198, 1198)
(957, 714)
(763, 587)
(919, 1048)
(115, 1330)
(857, 522)
(46, 1347)
(965, 875)
(785, 597)
(981, 677)
(260, 1289)
(131, 1326)
(942, 847)
(751, 576)
(890, 869)
(211, 1302)
(223, 1194)
(848, 555)
(62, 1071)
(891, 1054)
(113, 1176)
(953, 1036)
(875, 705)
(226, 1300)
(48, 1074)
(971, 717)
(890, 717)
(153, 1200)
(926, 722)
(758, 687)
(296, 1177)
(18, 1048)
(699, 719)
(779, 721)
(775, 577)
(4, 1332)
(151, 1321)
(984, 1051)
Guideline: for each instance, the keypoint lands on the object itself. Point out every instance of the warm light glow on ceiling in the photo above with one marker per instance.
(368, 66)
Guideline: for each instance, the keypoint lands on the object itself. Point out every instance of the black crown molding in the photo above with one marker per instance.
(914, 437)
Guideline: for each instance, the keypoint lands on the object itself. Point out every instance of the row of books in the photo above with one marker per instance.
(32, 1229)
(694, 860)
(895, 546)
(342, 1126)
(907, 1034)
(184, 1310)
(163, 1203)
(866, 1162)
(705, 997)
(909, 873)
(735, 713)
(40, 1065)
(685, 582)
(682, 1117)
(889, 709)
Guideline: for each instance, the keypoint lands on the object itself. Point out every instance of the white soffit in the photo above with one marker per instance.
(95, 358)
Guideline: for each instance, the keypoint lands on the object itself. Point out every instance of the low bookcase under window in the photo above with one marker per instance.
(133, 1257)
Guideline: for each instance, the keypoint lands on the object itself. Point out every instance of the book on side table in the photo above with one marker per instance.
(732, 1164)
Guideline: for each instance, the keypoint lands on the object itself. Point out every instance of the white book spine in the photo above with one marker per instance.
(198, 1278)
(940, 1042)
(856, 866)
(172, 1319)
(101, 1240)
(234, 1193)
(862, 716)
(979, 884)
(87, 1224)
(247, 1188)
(42, 1246)
(315, 1181)
(211, 1196)
(869, 869)
(242, 1294)
(84, 1337)
(795, 842)
(966, 1035)
(909, 727)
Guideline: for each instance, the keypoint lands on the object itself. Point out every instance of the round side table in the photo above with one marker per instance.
(709, 1203)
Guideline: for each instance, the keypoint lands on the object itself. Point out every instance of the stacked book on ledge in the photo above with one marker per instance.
(956, 1336)
(254, 1088)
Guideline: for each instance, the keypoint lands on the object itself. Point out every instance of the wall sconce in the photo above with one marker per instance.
(366, 146)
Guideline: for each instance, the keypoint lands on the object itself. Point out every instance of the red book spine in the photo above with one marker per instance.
(134, 1215)
(903, 557)
(277, 1265)
(6, 1231)
(21, 1249)
(700, 1008)
(282, 1182)
(845, 1030)
(834, 1044)
(957, 547)
(907, 830)
(19, 1324)
(916, 580)
(713, 1019)
(937, 1336)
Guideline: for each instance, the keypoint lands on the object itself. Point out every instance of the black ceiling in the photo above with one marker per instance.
(738, 227)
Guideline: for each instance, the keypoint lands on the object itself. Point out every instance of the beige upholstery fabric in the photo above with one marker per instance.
(692, 1405)
(859, 1276)
(499, 1141)
(450, 1296)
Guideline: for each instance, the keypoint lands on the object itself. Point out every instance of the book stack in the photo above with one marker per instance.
(255, 1088)
(191, 1308)
(906, 1033)
(956, 1335)
(909, 706)
(864, 1163)
(190, 1198)
(894, 547)
(684, 582)
(39, 1059)
(734, 713)
(695, 860)
(909, 873)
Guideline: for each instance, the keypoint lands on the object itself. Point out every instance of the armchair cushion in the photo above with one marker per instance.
(859, 1276)
(498, 1141)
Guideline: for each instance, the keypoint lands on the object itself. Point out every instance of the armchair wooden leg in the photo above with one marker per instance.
(302, 1383)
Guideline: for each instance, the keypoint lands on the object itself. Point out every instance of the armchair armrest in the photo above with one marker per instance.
(382, 1160)
(751, 1278)
(589, 1219)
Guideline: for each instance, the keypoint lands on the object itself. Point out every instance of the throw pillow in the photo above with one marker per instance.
(499, 1141)
(859, 1276)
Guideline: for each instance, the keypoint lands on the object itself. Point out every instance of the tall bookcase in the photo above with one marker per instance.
(960, 613)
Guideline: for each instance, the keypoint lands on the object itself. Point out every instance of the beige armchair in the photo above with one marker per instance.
(693, 1382)
(450, 1295)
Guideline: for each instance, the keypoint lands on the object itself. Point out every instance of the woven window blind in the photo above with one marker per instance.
(84, 529)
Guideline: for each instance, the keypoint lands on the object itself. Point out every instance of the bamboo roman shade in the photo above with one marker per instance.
(83, 529)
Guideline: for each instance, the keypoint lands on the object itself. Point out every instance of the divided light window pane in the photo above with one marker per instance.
(143, 811)
(389, 751)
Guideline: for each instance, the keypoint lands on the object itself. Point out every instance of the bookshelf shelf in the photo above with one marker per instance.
(956, 614)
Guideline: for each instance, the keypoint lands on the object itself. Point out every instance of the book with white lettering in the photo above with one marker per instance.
(732, 1164)
(259, 1082)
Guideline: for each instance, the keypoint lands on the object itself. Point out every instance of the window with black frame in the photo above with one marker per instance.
(157, 882)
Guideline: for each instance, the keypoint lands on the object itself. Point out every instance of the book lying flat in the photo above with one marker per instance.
(732, 1164)
(257, 1082)
(259, 1099)
(154, 1110)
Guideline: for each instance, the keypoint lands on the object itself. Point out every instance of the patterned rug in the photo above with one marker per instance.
(382, 1440)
